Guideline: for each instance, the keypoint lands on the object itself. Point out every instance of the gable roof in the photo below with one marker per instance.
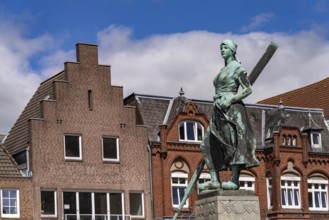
(17, 139)
(315, 95)
(8, 166)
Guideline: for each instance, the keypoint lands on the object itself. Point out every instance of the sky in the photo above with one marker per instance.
(157, 47)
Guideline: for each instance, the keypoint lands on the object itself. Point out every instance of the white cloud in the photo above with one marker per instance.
(258, 21)
(18, 80)
(161, 64)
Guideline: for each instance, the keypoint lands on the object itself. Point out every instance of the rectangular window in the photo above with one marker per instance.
(247, 183)
(318, 195)
(290, 193)
(92, 205)
(48, 204)
(10, 203)
(178, 187)
(100, 204)
(111, 148)
(136, 204)
(316, 140)
(90, 100)
(73, 147)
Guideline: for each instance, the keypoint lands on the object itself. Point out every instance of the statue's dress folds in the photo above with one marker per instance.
(229, 139)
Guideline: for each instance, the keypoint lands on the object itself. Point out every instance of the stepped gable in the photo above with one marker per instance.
(315, 95)
(8, 166)
(17, 139)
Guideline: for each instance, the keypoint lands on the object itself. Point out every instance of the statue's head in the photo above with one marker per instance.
(230, 44)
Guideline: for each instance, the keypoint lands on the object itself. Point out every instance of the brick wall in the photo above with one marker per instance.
(70, 113)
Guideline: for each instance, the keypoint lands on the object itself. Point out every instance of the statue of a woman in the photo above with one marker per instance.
(229, 142)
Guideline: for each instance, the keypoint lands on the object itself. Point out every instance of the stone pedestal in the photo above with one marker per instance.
(227, 205)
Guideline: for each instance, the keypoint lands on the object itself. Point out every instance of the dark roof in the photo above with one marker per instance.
(17, 139)
(315, 95)
(157, 110)
(8, 166)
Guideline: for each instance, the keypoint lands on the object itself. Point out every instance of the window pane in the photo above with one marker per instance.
(70, 204)
(296, 197)
(317, 199)
(110, 148)
(315, 138)
(181, 193)
(9, 202)
(324, 199)
(199, 132)
(47, 202)
(289, 196)
(283, 196)
(136, 207)
(182, 131)
(85, 203)
(100, 203)
(175, 195)
(115, 204)
(190, 130)
(72, 146)
(310, 200)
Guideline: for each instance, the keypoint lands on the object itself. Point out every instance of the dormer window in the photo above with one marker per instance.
(190, 131)
(316, 140)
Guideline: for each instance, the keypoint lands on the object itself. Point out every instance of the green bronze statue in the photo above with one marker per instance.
(229, 142)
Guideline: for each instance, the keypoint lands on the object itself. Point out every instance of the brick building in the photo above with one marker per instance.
(292, 147)
(13, 187)
(80, 148)
(79, 151)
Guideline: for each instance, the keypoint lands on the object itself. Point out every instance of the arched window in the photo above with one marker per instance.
(289, 140)
(178, 187)
(294, 140)
(190, 131)
(290, 191)
(284, 139)
(317, 193)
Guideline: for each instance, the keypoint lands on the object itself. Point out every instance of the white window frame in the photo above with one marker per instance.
(269, 192)
(4, 215)
(117, 146)
(285, 190)
(93, 215)
(319, 145)
(80, 148)
(143, 210)
(312, 190)
(179, 175)
(247, 179)
(195, 130)
(55, 203)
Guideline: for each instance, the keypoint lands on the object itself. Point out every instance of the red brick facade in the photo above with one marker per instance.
(286, 157)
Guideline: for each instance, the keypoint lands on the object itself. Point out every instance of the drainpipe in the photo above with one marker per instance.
(151, 179)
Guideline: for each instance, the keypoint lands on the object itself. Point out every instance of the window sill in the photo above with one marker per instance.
(73, 160)
(111, 161)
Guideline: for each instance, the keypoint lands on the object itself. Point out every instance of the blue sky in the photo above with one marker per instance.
(157, 46)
